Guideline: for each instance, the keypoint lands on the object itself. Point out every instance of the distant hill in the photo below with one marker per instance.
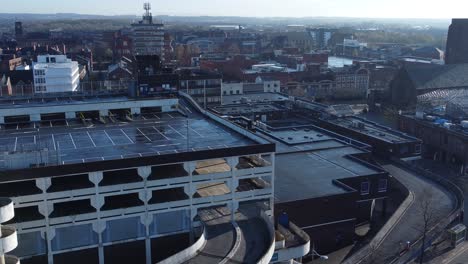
(336, 21)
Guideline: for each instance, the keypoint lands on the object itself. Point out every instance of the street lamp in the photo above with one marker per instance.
(314, 253)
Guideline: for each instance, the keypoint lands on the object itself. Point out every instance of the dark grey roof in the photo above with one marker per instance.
(432, 76)
(21, 76)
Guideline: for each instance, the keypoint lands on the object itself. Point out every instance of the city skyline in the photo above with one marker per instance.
(256, 8)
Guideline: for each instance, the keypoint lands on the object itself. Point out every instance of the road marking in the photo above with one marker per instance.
(53, 141)
(16, 144)
(144, 134)
(177, 132)
(161, 133)
(92, 141)
(195, 131)
(109, 138)
(155, 115)
(127, 136)
(72, 140)
(170, 115)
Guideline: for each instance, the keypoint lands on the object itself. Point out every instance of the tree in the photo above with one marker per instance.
(428, 214)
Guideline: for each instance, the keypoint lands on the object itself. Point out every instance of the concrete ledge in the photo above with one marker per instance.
(266, 258)
(7, 211)
(359, 256)
(187, 253)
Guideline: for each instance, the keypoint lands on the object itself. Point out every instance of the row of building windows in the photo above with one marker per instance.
(41, 88)
(232, 92)
(382, 186)
(39, 72)
(40, 81)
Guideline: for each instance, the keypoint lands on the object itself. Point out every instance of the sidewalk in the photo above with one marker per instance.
(451, 256)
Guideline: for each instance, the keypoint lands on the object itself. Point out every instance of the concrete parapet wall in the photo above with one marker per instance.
(187, 253)
(266, 258)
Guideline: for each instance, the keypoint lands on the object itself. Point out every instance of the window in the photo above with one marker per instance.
(231, 92)
(40, 88)
(39, 72)
(383, 185)
(52, 59)
(40, 80)
(238, 92)
(224, 92)
(417, 149)
(365, 187)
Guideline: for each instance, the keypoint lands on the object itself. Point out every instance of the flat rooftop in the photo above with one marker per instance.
(253, 97)
(373, 129)
(246, 109)
(152, 134)
(309, 159)
(305, 175)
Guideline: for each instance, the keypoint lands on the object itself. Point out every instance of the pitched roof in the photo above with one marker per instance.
(432, 76)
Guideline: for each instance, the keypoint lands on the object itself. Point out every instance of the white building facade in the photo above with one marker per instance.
(55, 74)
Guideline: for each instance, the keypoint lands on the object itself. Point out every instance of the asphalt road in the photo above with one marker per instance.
(221, 238)
(408, 227)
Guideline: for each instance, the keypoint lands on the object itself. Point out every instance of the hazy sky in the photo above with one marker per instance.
(260, 8)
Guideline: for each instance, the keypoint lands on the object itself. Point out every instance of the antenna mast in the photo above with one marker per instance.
(147, 17)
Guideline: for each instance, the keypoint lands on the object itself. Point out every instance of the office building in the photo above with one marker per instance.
(55, 74)
(148, 35)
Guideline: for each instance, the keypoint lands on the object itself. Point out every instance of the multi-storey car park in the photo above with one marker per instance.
(94, 183)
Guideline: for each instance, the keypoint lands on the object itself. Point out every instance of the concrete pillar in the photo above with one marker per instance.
(148, 250)
(136, 110)
(101, 254)
(2, 120)
(43, 184)
(144, 172)
(70, 115)
(104, 112)
(166, 108)
(35, 117)
(50, 236)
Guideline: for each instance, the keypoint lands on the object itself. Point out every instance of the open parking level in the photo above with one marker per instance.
(150, 134)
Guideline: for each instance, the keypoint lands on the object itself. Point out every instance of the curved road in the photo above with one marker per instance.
(221, 238)
(407, 228)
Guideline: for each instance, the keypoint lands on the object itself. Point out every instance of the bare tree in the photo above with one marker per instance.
(428, 214)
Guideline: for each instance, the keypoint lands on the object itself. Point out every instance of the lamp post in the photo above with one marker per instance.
(314, 253)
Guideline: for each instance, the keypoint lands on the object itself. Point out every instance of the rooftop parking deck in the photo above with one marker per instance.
(150, 134)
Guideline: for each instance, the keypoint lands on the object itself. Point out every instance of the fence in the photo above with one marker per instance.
(89, 88)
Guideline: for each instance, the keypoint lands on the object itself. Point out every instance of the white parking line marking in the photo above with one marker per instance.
(92, 141)
(127, 136)
(144, 135)
(16, 143)
(161, 133)
(109, 138)
(53, 141)
(177, 132)
(72, 140)
(196, 132)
